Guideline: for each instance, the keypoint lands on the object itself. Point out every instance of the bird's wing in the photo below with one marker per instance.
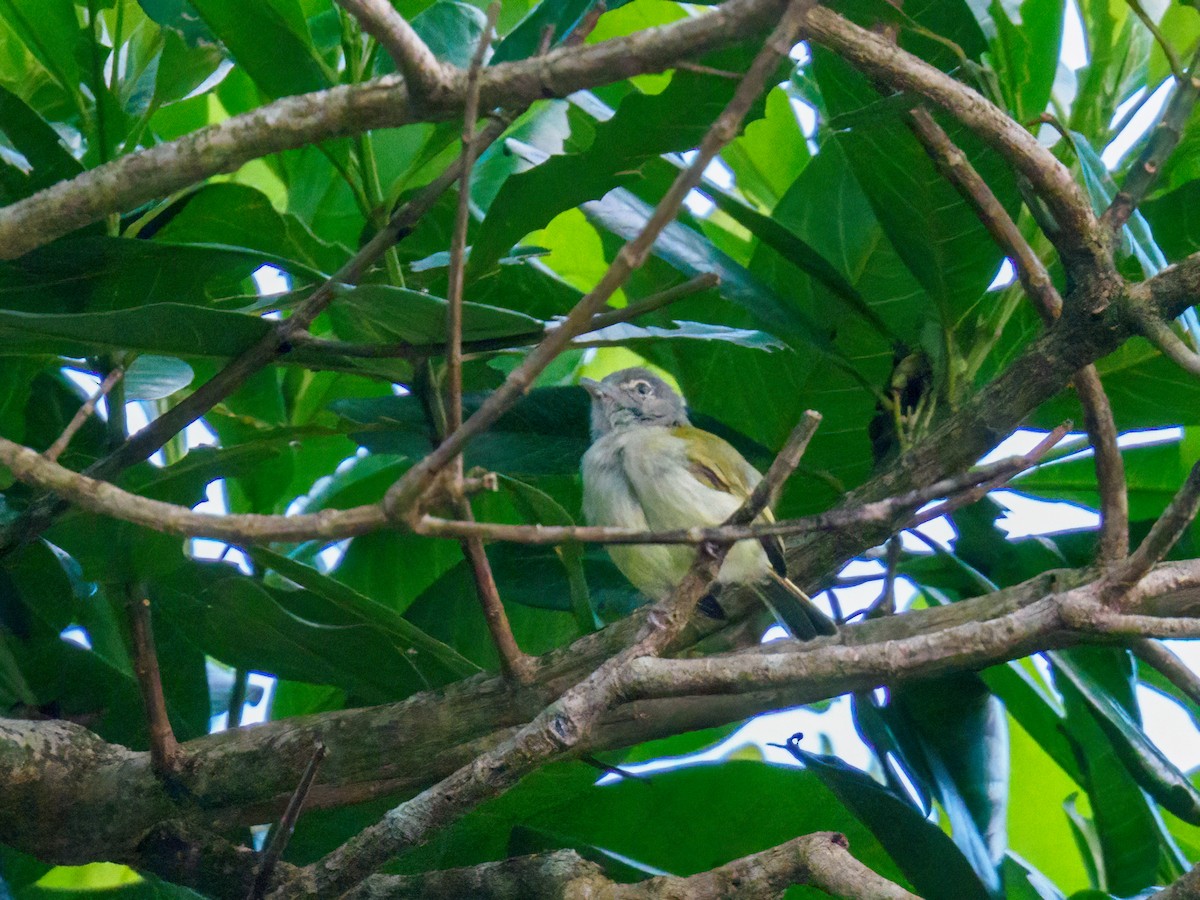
(737, 478)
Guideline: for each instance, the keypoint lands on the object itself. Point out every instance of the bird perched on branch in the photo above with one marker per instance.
(649, 468)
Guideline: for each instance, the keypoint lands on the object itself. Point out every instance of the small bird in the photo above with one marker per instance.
(649, 468)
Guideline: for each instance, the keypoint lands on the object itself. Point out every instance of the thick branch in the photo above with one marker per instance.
(821, 860)
(294, 122)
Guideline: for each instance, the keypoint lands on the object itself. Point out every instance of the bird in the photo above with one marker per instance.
(649, 468)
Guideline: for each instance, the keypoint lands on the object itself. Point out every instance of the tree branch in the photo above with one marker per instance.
(108, 499)
(1186, 888)
(55, 450)
(957, 169)
(1162, 336)
(1156, 655)
(1162, 537)
(424, 75)
(294, 122)
(282, 833)
(164, 748)
(1163, 140)
(1101, 428)
(822, 860)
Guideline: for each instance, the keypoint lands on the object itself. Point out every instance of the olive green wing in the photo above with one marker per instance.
(715, 462)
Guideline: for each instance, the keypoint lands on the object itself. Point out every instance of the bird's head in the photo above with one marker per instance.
(631, 398)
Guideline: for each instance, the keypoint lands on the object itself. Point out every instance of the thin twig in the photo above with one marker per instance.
(165, 753)
(981, 490)
(586, 25)
(701, 69)
(1162, 336)
(1101, 427)
(562, 725)
(287, 825)
(403, 496)
(237, 698)
(424, 74)
(1162, 141)
(1168, 50)
(1162, 537)
(1156, 655)
(335, 524)
(458, 238)
(55, 450)
(513, 663)
(957, 169)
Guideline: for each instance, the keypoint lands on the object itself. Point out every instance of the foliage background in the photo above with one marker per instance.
(852, 275)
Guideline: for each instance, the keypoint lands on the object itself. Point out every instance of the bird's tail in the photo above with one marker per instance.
(794, 609)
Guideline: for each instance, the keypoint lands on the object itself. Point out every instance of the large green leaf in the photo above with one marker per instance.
(936, 233)
(294, 634)
(439, 663)
(925, 854)
(545, 433)
(100, 273)
(269, 40)
(643, 127)
(164, 328)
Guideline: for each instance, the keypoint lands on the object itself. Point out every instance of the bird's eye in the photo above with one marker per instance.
(642, 387)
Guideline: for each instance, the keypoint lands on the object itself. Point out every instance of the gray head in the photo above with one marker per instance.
(630, 398)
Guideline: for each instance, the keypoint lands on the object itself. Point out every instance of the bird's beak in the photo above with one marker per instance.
(593, 387)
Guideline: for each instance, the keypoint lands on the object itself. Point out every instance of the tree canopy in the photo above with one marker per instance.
(295, 299)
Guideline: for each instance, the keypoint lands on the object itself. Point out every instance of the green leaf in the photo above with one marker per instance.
(155, 377)
(451, 30)
(545, 433)
(1124, 821)
(666, 823)
(538, 507)
(38, 142)
(1174, 218)
(102, 273)
(938, 236)
(164, 328)
(382, 313)
(768, 156)
(954, 735)
(1026, 51)
(1144, 761)
(644, 127)
(268, 41)
(236, 215)
(1153, 474)
(440, 663)
(928, 858)
(293, 634)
